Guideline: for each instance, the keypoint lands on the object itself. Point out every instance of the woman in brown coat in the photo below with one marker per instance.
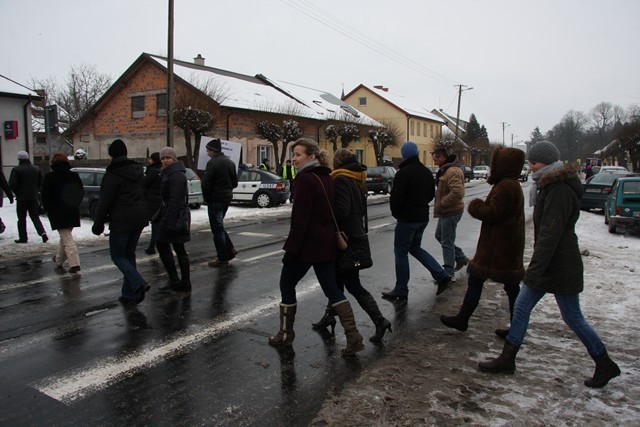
(501, 243)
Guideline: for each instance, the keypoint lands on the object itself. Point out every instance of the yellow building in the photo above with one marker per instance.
(414, 123)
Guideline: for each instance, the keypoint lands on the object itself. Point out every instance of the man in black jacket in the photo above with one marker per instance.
(123, 206)
(413, 189)
(220, 178)
(25, 182)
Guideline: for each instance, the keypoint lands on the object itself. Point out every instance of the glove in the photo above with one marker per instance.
(288, 258)
(97, 229)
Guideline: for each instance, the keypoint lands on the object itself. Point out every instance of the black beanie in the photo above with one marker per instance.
(117, 149)
(155, 157)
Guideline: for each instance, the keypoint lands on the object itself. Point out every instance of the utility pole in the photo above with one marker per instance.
(512, 135)
(460, 89)
(504, 125)
(170, 101)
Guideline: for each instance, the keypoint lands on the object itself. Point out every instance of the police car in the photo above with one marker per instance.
(261, 188)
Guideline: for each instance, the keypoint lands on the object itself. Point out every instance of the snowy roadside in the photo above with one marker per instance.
(433, 379)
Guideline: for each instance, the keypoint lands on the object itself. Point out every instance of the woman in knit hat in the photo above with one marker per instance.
(556, 264)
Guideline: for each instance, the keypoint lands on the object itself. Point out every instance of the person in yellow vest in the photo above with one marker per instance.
(288, 174)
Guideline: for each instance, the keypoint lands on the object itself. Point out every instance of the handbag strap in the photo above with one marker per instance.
(328, 202)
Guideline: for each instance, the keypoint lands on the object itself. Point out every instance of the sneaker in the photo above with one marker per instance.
(460, 263)
(218, 264)
(74, 269)
(45, 238)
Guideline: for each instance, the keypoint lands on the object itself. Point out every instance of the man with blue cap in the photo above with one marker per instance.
(413, 189)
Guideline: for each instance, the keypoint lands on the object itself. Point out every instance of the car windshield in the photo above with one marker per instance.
(375, 170)
(604, 178)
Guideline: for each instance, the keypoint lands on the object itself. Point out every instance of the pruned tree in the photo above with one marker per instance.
(193, 121)
(380, 139)
(279, 135)
(345, 132)
(80, 90)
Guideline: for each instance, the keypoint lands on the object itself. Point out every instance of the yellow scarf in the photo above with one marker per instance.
(359, 177)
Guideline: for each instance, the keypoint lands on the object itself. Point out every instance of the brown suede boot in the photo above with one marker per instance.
(348, 321)
(285, 336)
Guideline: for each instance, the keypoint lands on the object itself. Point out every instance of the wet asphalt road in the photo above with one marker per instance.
(70, 354)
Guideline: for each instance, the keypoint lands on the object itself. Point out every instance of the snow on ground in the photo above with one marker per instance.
(433, 379)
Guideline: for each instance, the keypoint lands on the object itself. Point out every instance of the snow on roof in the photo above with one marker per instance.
(14, 88)
(406, 104)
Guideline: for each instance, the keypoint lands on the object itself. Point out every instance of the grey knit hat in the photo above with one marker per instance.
(544, 152)
(168, 152)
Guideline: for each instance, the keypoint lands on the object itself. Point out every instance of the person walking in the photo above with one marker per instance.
(288, 174)
(500, 250)
(448, 208)
(556, 264)
(350, 207)
(4, 188)
(25, 182)
(413, 189)
(62, 193)
(220, 178)
(122, 205)
(173, 226)
(152, 196)
(312, 243)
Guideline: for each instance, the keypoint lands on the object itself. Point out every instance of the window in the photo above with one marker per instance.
(359, 155)
(137, 107)
(362, 101)
(161, 104)
(419, 127)
(264, 152)
(412, 127)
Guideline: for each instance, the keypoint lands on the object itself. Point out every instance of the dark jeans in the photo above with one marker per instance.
(407, 240)
(122, 247)
(351, 281)
(571, 314)
(293, 272)
(221, 240)
(166, 256)
(474, 292)
(33, 208)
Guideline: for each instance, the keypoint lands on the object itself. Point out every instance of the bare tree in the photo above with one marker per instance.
(380, 139)
(82, 88)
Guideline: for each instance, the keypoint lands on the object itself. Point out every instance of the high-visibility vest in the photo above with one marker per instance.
(288, 172)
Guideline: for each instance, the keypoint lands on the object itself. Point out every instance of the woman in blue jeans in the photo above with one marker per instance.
(556, 264)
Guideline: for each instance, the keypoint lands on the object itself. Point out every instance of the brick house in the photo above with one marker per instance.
(134, 109)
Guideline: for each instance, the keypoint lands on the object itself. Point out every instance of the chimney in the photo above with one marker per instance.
(382, 88)
(198, 60)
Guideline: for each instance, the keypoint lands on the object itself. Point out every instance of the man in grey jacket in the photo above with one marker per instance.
(220, 178)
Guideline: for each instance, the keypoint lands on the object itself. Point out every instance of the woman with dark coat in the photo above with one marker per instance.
(152, 195)
(350, 208)
(62, 193)
(500, 249)
(175, 198)
(312, 243)
(556, 264)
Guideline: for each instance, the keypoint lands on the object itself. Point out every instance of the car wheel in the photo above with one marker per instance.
(263, 200)
(612, 228)
(195, 205)
(93, 207)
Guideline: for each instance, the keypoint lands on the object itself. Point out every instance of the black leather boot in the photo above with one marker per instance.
(506, 362)
(369, 305)
(606, 369)
(328, 320)
(461, 320)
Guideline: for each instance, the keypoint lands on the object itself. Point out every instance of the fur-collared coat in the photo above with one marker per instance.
(556, 263)
(500, 249)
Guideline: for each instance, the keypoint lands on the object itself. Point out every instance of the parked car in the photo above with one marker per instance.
(468, 173)
(91, 180)
(481, 172)
(622, 207)
(608, 169)
(524, 174)
(261, 188)
(596, 190)
(195, 190)
(380, 179)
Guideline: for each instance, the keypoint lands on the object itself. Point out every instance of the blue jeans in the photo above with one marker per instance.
(221, 240)
(571, 314)
(446, 235)
(407, 240)
(293, 272)
(122, 247)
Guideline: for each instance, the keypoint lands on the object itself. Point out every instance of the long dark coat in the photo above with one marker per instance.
(4, 188)
(122, 202)
(500, 249)
(174, 198)
(312, 233)
(556, 263)
(151, 183)
(62, 193)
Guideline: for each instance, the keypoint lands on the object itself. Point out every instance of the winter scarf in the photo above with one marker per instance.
(359, 177)
(310, 164)
(533, 193)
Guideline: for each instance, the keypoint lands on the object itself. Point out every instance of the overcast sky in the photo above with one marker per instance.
(529, 62)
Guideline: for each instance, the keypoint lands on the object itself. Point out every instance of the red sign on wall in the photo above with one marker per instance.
(11, 129)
